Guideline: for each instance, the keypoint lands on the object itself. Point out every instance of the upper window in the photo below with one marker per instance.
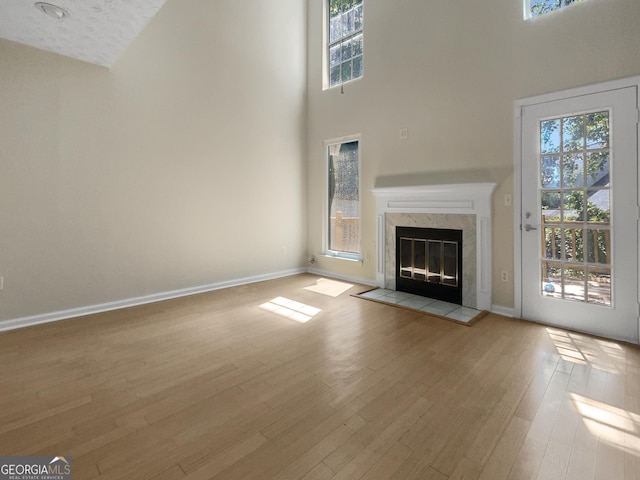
(533, 8)
(344, 34)
(343, 195)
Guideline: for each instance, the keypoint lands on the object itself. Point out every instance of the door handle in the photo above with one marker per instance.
(528, 228)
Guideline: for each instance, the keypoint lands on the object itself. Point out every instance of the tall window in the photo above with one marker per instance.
(533, 8)
(343, 194)
(345, 40)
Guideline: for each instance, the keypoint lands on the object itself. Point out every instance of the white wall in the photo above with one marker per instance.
(179, 167)
(449, 71)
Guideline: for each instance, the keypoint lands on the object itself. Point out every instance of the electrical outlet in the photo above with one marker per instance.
(284, 250)
(404, 133)
(504, 276)
(367, 256)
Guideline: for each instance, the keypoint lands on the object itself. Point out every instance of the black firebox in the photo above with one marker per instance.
(429, 262)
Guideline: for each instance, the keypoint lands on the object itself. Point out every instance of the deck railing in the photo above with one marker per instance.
(344, 233)
(580, 245)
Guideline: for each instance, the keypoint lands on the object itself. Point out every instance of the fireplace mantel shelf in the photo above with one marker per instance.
(459, 198)
(449, 198)
(436, 187)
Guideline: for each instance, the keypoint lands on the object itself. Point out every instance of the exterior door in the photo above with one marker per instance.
(579, 218)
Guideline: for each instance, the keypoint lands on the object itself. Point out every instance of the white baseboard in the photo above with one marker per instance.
(132, 302)
(505, 311)
(158, 297)
(346, 278)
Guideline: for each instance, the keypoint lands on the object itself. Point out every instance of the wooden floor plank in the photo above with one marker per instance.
(499, 464)
(213, 386)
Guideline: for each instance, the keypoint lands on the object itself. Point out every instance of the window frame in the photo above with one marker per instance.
(327, 252)
(328, 44)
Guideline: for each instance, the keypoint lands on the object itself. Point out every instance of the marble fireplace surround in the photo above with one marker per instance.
(463, 206)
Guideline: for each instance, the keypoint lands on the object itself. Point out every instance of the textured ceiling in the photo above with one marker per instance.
(96, 31)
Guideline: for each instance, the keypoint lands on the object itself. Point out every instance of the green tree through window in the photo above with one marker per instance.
(575, 203)
(540, 7)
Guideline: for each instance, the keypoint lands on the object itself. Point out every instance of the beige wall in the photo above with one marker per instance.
(449, 71)
(121, 183)
(179, 167)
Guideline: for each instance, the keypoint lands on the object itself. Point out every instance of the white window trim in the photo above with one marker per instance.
(325, 200)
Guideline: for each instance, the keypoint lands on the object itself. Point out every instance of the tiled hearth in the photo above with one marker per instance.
(448, 310)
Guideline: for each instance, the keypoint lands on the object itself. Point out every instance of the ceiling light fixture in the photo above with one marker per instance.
(51, 10)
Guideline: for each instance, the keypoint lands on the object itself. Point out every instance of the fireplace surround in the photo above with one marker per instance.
(464, 206)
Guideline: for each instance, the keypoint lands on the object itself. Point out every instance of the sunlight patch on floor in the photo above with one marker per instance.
(614, 426)
(332, 288)
(291, 309)
(601, 354)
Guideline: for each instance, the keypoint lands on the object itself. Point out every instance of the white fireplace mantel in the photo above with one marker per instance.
(463, 199)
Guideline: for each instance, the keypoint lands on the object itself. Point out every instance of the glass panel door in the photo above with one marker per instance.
(579, 218)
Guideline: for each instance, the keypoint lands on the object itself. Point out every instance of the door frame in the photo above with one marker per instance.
(519, 105)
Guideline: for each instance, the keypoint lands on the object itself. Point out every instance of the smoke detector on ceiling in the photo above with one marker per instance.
(51, 10)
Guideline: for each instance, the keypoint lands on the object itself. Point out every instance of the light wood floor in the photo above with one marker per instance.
(213, 386)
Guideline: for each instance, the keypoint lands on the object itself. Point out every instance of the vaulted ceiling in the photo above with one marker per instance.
(95, 31)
